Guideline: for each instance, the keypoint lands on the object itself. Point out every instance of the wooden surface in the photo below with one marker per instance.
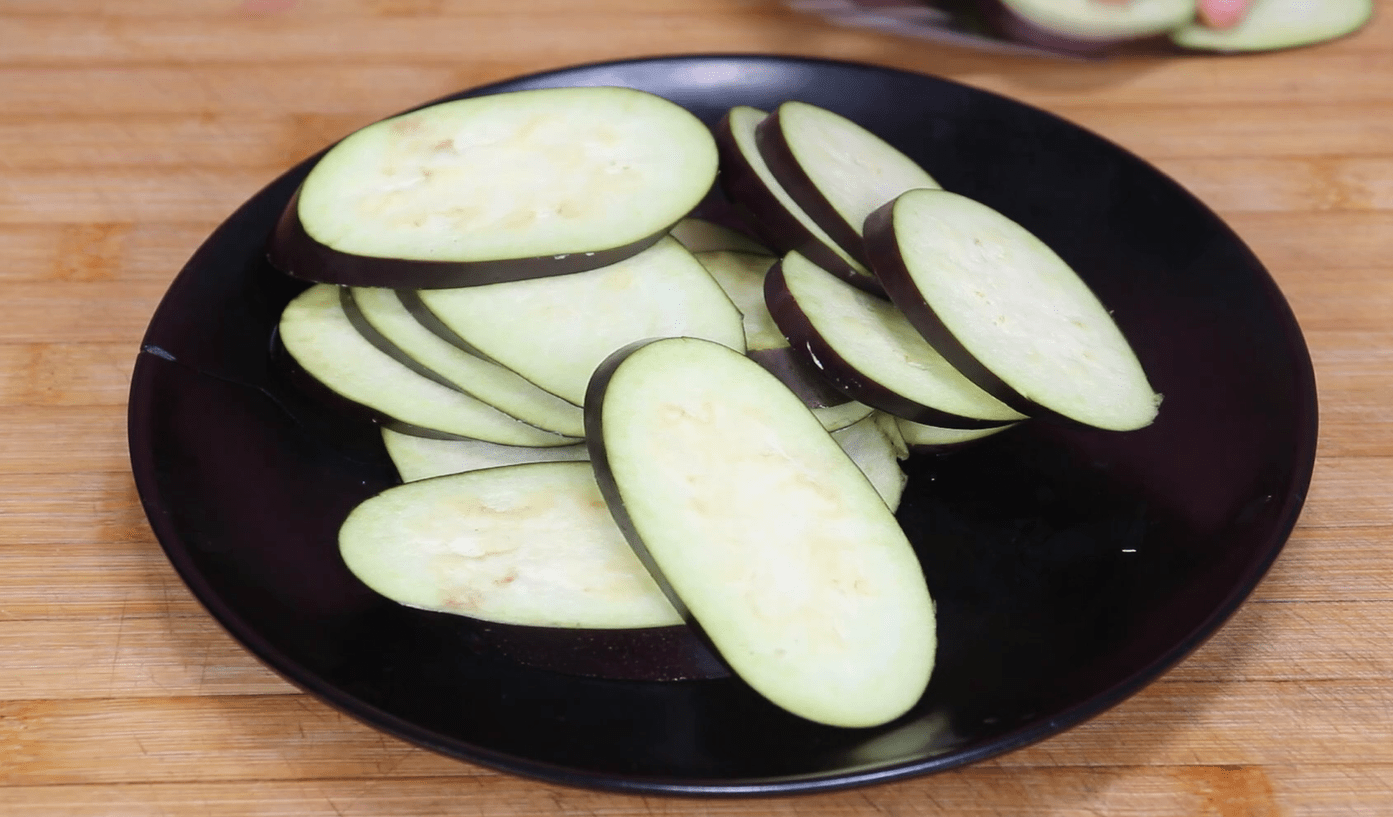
(128, 130)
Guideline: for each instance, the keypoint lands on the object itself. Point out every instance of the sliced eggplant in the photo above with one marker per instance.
(835, 418)
(384, 313)
(837, 171)
(773, 214)
(889, 426)
(418, 458)
(762, 530)
(741, 275)
(554, 331)
(702, 235)
(497, 188)
(525, 544)
(1090, 24)
(927, 439)
(868, 349)
(1007, 311)
(1274, 24)
(316, 332)
(877, 451)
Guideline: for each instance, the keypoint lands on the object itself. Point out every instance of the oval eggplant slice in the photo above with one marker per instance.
(1090, 22)
(496, 385)
(496, 188)
(926, 439)
(528, 544)
(1007, 311)
(773, 214)
(700, 235)
(1274, 24)
(316, 332)
(554, 331)
(417, 458)
(868, 349)
(763, 530)
(836, 170)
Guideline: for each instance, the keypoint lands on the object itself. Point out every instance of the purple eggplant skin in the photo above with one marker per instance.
(294, 252)
(418, 309)
(609, 488)
(382, 344)
(771, 223)
(778, 156)
(884, 251)
(806, 341)
(344, 425)
(803, 379)
(899, 285)
(301, 392)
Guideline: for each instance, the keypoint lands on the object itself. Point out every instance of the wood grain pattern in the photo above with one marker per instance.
(130, 128)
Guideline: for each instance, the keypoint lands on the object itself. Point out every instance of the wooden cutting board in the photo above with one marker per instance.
(128, 130)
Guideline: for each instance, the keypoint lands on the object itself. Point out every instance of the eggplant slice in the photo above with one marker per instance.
(1007, 312)
(496, 188)
(877, 448)
(1098, 23)
(316, 332)
(384, 313)
(529, 544)
(554, 331)
(1274, 24)
(762, 530)
(837, 171)
(417, 458)
(702, 235)
(926, 439)
(867, 348)
(773, 214)
(741, 275)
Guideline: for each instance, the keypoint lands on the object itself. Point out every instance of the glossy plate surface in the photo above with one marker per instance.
(1070, 567)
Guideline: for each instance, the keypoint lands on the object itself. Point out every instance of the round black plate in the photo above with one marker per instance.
(1070, 567)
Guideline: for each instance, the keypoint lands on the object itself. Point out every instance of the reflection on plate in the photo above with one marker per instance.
(1070, 567)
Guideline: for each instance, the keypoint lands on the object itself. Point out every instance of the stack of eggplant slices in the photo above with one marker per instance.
(609, 414)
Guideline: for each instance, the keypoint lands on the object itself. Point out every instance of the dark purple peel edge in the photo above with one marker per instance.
(884, 251)
(806, 341)
(788, 172)
(803, 379)
(604, 474)
(293, 251)
(383, 344)
(417, 307)
(303, 391)
(769, 220)
(899, 284)
(359, 321)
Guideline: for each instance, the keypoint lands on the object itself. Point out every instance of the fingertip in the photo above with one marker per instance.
(1222, 14)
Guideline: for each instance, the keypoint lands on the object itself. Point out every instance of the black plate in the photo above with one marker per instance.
(1070, 567)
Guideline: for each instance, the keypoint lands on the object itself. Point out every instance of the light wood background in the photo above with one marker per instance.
(129, 129)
